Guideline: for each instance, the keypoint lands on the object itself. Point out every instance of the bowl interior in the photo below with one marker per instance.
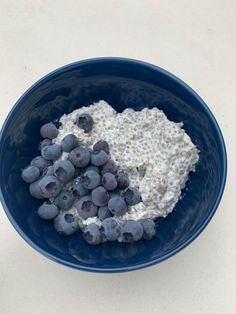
(122, 83)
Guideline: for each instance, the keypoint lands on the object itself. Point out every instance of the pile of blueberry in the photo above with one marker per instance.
(89, 181)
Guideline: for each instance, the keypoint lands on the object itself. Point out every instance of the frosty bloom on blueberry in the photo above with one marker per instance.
(49, 130)
(100, 196)
(103, 213)
(109, 181)
(98, 157)
(64, 170)
(66, 223)
(86, 207)
(64, 199)
(110, 167)
(101, 145)
(92, 234)
(48, 211)
(111, 229)
(78, 189)
(30, 174)
(90, 179)
(69, 142)
(80, 157)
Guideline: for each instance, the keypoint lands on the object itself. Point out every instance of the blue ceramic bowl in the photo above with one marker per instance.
(122, 83)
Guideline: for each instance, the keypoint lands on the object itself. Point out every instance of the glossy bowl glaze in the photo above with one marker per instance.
(122, 83)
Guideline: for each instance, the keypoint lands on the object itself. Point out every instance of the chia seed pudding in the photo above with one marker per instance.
(156, 153)
(110, 174)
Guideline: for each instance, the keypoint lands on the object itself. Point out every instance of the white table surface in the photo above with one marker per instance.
(196, 41)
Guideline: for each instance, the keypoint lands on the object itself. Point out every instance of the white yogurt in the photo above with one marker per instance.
(157, 153)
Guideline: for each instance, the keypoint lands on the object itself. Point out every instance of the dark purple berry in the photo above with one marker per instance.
(64, 199)
(109, 181)
(51, 152)
(117, 206)
(45, 142)
(66, 223)
(50, 186)
(49, 130)
(90, 179)
(35, 190)
(30, 174)
(41, 163)
(111, 229)
(122, 180)
(86, 208)
(78, 172)
(100, 196)
(149, 228)
(48, 211)
(85, 122)
(64, 170)
(101, 145)
(99, 158)
(104, 212)
(132, 196)
(80, 157)
(131, 231)
(69, 142)
(78, 188)
(94, 168)
(49, 171)
(110, 167)
(92, 234)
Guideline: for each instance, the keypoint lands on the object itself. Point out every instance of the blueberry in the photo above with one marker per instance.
(149, 228)
(101, 145)
(122, 180)
(35, 190)
(86, 208)
(132, 196)
(117, 205)
(50, 186)
(92, 234)
(85, 122)
(30, 174)
(80, 157)
(92, 168)
(110, 167)
(103, 213)
(111, 229)
(65, 223)
(109, 181)
(115, 193)
(64, 170)
(78, 189)
(131, 231)
(49, 130)
(40, 163)
(64, 199)
(69, 142)
(48, 211)
(90, 179)
(78, 172)
(99, 158)
(51, 152)
(45, 142)
(100, 196)
(49, 171)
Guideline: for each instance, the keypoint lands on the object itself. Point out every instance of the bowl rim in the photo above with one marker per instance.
(206, 110)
